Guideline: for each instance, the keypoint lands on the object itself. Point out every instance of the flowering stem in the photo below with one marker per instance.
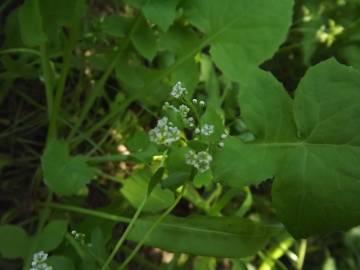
(149, 231)
(125, 234)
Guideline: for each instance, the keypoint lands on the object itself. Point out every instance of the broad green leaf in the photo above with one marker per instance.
(31, 26)
(266, 109)
(140, 147)
(176, 162)
(316, 173)
(135, 188)
(242, 34)
(161, 13)
(144, 40)
(98, 243)
(14, 242)
(230, 237)
(64, 174)
(175, 180)
(52, 235)
(203, 179)
(115, 25)
(60, 263)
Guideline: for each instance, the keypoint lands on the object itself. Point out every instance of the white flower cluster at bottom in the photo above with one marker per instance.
(200, 160)
(39, 261)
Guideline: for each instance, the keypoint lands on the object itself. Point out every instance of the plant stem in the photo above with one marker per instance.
(34, 243)
(149, 231)
(20, 50)
(89, 212)
(125, 234)
(48, 79)
(75, 245)
(302, 253)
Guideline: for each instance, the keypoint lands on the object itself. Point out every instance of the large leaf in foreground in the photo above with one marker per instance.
(231, 237)
(317, 173)
(64, 174)
(242, 34)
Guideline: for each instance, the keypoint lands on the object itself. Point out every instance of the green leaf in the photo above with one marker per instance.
(230, 237)
(60, 263)
(136, 187)
(52, 235)
(64, 174)
(98, 243)
(316, 172)
(155, 180)
(161, 13)
(242, 34)
(144, 40)
(31, 26)
(115, 25)
(14, 242)
(175, 180)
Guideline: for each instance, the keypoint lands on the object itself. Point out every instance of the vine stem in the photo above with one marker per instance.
(125, 234)
(301, 255)
(150, 230)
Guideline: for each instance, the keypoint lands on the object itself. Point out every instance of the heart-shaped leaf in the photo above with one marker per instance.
(64, 174)
(312, 147)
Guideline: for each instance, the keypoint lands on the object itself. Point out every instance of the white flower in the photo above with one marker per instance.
(202, 103)
(197, 131)
(39, 261)
(195, 101)
(207, 130)
(184, 110)
(178, 90)
(164, 132)
(203, 161)
(221, 144)
(200, 161)
(224, 136)
(191, 158)
(190, 122)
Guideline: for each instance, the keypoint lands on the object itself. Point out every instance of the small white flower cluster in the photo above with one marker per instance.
(164, 133)
(200, 160)
(78, 236)
(207, 130)
(178, 90)
(39, 261)
(201, 102)
(182, 110)
(223, 137)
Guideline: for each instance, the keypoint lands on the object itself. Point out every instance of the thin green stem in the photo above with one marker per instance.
(20, 50)
(113, 158)
(108, 176)
(34, 243)
(150, 230)
(125, 234)
(75, 245)
(61, 83)
(48, 80)
(301, 254)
